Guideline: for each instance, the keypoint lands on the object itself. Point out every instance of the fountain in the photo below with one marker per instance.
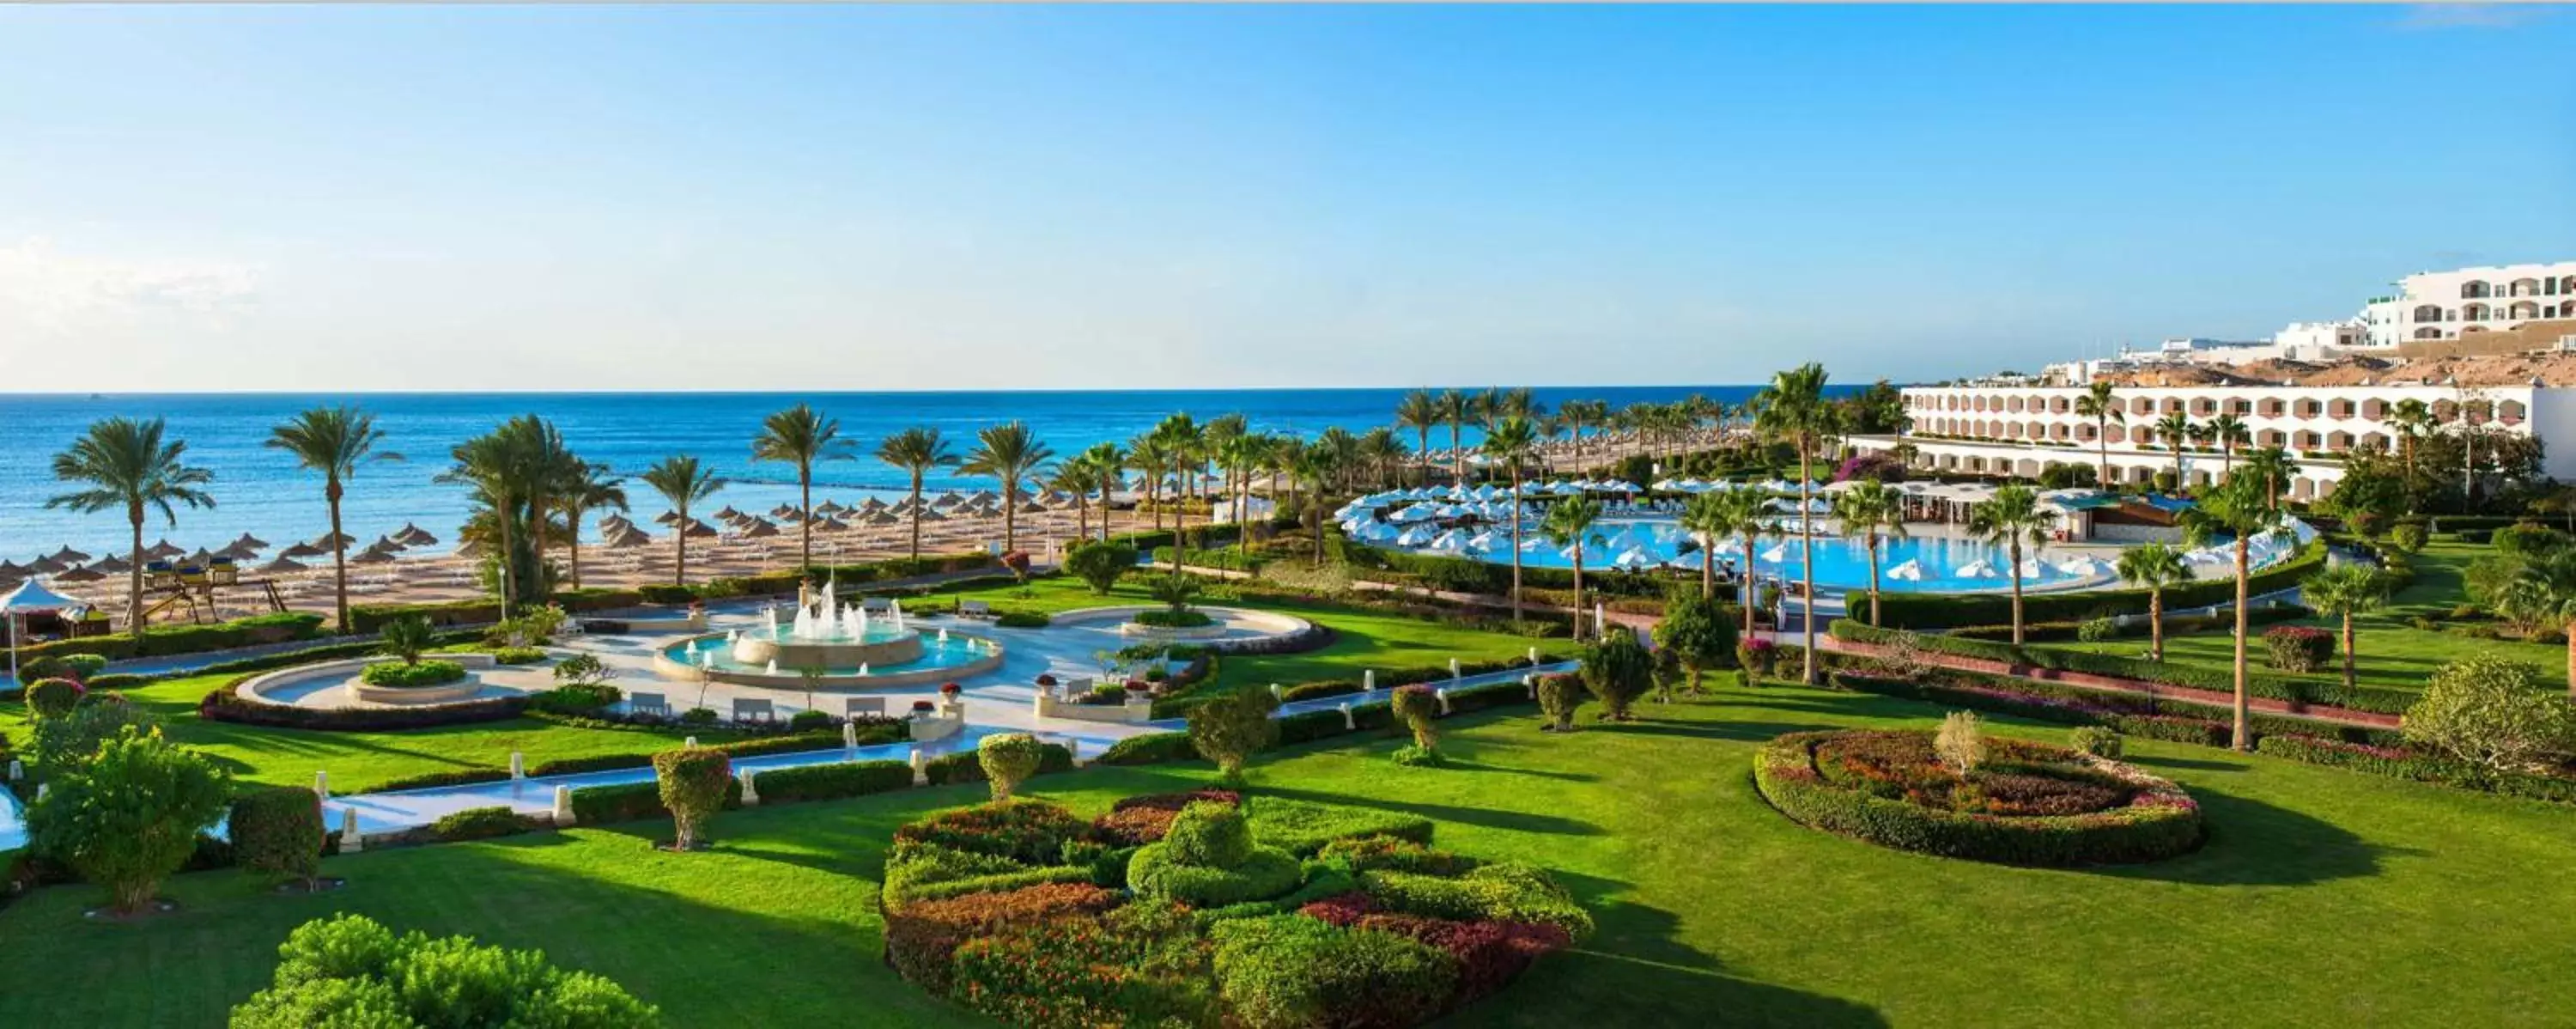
(853, 645)
(825, 634)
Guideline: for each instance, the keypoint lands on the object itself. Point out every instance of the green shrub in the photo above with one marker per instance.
(278, 830)
(350, 971)
(1173, 619)
(1267, 872)
(75, 667)
(1304, 827)
(481, 823)
(1375, 853)
(1008, 759)
(2493, 714)
(1502, 892)
(2297, 648)
(666, 593)
(2409, 537)
(1559, 696)
(1135, 965)
(827, 782)
(922, 937)
(397, 675)
(2096, 740)
(1293, 972)
(52, 698)
(518, 655)
(1228, 729)
(128, 817)
(694, 784)
(631, 802)
(1022, 620)
(968, 765)
(1100, 564)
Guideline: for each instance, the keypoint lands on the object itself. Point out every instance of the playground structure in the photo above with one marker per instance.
(194, 586)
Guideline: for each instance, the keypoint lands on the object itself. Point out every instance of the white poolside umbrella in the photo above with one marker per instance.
(30, 597)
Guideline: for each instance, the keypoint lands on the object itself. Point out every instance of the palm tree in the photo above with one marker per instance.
(128, 464)
(2175, 429)
(333, 441)
(1509, 442)
(1870, 510)
(1793, 409)
(1011, 453)
(2410, 419)
(916, 450)
(683, 483)
(1151, 454)
(1580, 415)
(1569, 524)
(1311, 468)
(2229, 432)
(1383, 452)
(1420, 411)
(2270, 468)
(1345, 450)
(493, 467)
(2344, 591)
(1077, 475)
(1457, 409)
(2099, 404)
(801, 436)
(2155, 568)
(2242, 508)
(593, 489)
(2012, 519)
(1716, 515)
(2545, 589)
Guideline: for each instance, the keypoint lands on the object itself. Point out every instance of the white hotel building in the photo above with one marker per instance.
(2449, 305)
(2019, 429)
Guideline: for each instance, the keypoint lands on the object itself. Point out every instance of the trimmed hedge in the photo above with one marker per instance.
(1951, 610)
(170, 640)
(1303, 828)
(223, 705)
(632, 802)
(2177, 721)
(2160, 823)
(1149, 748)
(2402, 763)
(830, 782)
(2175, 625)
(412, 675)
(2330, 692)
(968, 766)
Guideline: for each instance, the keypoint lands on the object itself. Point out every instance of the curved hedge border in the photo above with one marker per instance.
(2328, 692)
(2162, 821)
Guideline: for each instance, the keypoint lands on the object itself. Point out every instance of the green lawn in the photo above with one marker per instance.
(357, 760)
(2323, 897)
(2389, 651)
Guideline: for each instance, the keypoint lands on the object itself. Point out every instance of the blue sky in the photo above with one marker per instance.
(918, 197)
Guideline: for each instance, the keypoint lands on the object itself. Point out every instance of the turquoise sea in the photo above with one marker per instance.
(260, 491)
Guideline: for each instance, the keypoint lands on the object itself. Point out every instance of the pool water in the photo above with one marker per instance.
(1946, 564)
(935, 653)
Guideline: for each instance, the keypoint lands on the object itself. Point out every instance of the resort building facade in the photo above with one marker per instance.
(2448, 305)
(1996, 429)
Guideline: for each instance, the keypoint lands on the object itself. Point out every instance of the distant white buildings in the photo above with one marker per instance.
(2448, 305)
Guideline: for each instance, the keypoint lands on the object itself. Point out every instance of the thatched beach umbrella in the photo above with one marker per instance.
(164, 550)
(45, 566)
(931, 514)
(372, 556)
(386, 544)
(948, 499)
(12, 570)
(827, 523)
(1033, 507)
(628, 536)
(302, 550)
(883, 518)
(411, 535)
(872, 506)
(236, 552)
(69, 557)
(784, 511)
(701, 530)
(333, 541)
(759, 528)
(113, 565)
(829, 507)
(80, 575)
(249, 542)
(281, 566)
(728, 513)
(667, 518)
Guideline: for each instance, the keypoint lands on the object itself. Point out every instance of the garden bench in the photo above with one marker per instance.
(876, 605)
(974, 609)
(753, 711)
(647, 704)
(853, 707)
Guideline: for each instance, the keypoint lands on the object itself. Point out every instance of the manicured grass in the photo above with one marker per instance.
(2390, 651)
(2322, 897)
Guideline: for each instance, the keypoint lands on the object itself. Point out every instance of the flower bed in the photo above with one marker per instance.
(1191, 909)
(2025, 804)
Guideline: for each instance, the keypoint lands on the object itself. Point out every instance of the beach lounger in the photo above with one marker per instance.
(855, 707)
(647, 704)
(753, 711)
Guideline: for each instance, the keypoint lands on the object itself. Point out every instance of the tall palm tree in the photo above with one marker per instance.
(1420, 411)
(2241, 508)
(1718, 514)
(1793, 409)
(1182, 437)
(1312, 469)
(2271, 469)
(1569, 524)
(1457, 409)
(594, 489)
(1151, 454)
(2154, 567)
(333, 441)
(1872, 511)
(916, 450)
(2544, 590)
(2344, 591)
(2410, 419)
(683, 483)
(1581, 415)
(1345, 450)
(1509, 442)
(1383, 452)
(2228, 432)
(801, 436)
(1216, 438)
(128, 464)
(1108, 466)
(2012, 519)
(495, 467)
(2098, 403)
(1013, 454)
(2175, 429)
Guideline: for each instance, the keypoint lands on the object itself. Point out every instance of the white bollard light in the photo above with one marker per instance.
(1443, 695)
(42, 789)
(563, 806)
(1275, 694)
(350, 840)
(1453, 668)
(1533, 657)
(322, 785)
(750, 793)
(849, 735)
(920, 767)
(1349, 722)
(1529, 681)
(16, 771)
(690, 742)
(1368, 680)
(518, 765)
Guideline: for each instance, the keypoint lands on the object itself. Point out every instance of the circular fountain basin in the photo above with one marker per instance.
(916, 658)
(340, 684)
(1226, 624)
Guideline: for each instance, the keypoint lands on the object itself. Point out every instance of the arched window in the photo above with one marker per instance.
(2525, 309)
(2428, 332)
(2473, 312)
(2474, 289)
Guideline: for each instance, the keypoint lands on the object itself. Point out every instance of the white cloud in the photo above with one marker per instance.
(47, 290)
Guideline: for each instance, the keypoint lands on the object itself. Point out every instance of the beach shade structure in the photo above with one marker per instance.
(236, 552)
(728, 513)
(1976, 570)
(829, 507)
(414, 536)
(164, 550)
(699, 529)
(948, 499)
(81, 575)
(931, 514)
(781, 511)
(1632, 559)
(627, 536)
(386, 544)
(872, 505)
(247, 541)
(45, 566)
(473, 550)
(1908, 570)
(70, 557)
(667, 518)
(372, 556)
(827, 523)
(304, 550)
(113, 565)
(1033, 507)
(31, 597)
(883, 518)
(12, 570)
(759, 528)
(283, 566)
(328, 541)
(201, 557)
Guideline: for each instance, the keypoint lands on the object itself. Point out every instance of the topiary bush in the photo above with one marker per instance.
(1618, 670)
(1100, 564)
(2096, 740)
(2297, 648)
(278, 830)
(1008, 759)
(128, 817)
(398, 675)
(53, 698)
(1417, 706)
(1207, 858)
(1229, 728)
(693, 783)
(77, 667)
(1292, 972)
(481, 823)
(1558, 697)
